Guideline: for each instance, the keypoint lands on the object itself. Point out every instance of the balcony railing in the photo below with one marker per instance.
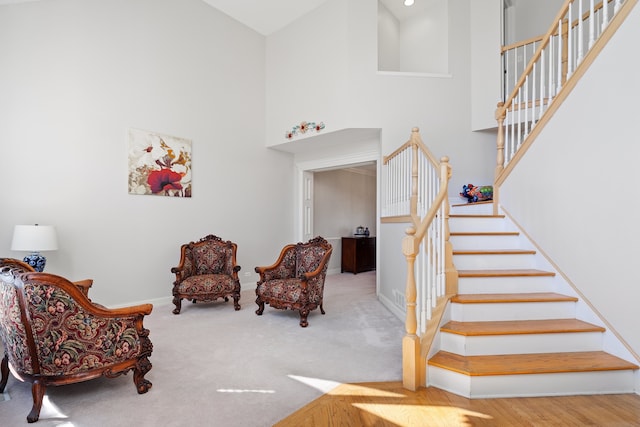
(552, 60)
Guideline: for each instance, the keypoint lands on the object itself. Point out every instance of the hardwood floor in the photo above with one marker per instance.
(388, 404)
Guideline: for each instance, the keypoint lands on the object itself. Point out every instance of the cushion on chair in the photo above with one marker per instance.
(207, 284)
(211, 260)
(280, 289)
(308, 259)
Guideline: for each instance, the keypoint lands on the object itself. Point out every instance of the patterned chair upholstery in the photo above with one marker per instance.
(207, 271)
(296, 280)
(53, 335)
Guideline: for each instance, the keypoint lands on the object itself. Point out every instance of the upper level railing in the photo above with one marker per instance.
(415, 188)
(553, 59)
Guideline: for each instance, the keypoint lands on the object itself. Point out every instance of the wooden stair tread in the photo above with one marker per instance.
(475, 216)
(487, 202)
(516, 327)
(512, 298)
(484, 233)
(504, 273)
(542, 363)
(494, 252)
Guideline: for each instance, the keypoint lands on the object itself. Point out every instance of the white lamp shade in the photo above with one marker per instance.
(34, 238)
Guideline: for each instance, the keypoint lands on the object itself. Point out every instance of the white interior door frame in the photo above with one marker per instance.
(303, 168)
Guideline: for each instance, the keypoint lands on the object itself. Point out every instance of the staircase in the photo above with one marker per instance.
(512, 330)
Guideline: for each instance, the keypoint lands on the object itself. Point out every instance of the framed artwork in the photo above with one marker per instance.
(159, 164)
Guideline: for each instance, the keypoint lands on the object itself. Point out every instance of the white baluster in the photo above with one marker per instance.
(526, 106)
(519, 118)
(605, 15)
(616, 7)
(592, 35)
(559, 64)
(570, 42)
(542, 91)
(552, 87)
(513, 127)
(580, 34)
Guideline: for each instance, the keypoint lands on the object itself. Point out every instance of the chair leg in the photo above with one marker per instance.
(142, 367)
(321, 309)
(303, 317)
(178, 303)
(4, 369)
(236, 303)
(37, 391)
(260, 306)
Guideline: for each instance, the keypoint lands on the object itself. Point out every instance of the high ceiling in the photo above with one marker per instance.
(268, 16)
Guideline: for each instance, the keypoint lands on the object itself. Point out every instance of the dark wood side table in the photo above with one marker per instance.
(358, 254)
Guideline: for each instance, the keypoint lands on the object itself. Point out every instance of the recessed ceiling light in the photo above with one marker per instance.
(408, 2)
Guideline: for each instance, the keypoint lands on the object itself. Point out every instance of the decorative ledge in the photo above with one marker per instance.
(303, 128)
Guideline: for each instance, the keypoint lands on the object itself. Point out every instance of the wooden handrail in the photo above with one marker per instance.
(516, 45)
(536, 39)
(546, 38)
(414, 140)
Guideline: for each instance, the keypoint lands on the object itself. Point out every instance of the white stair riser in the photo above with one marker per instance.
(470, 208)
(532, 385)
(513, 311)
(485, 242)
(493, 262)
(521, 343)
(479, 224)
(504, 285)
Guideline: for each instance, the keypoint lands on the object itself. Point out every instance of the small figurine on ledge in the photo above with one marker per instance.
(477, 194)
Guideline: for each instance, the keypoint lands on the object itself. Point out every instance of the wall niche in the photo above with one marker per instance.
(413, 39)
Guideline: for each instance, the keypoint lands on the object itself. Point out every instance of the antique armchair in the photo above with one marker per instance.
(83, 285)
(296, 280)
(53, 335)
(207, 271)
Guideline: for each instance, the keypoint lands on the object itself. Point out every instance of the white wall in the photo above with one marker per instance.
(306, 68)
(424, 41)
(532, 18)
(388, 40)
(573, 190)
(486, 63)
(75, 75)
(393, 103)
(343, 200)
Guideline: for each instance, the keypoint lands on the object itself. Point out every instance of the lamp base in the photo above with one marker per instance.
(36, 261)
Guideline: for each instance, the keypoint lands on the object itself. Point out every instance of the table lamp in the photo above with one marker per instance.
(34, 238)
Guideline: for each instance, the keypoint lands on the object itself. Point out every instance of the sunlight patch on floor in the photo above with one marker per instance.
(416, 414)
(50, 410)
(235, 390)
(358, 390)
(324, 386)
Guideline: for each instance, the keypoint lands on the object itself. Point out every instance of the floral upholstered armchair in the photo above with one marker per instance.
(53, 335)
(207, 271)
(296, 280)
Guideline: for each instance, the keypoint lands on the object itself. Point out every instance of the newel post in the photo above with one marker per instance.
(410, 342)
(501, 114)
(450, 271)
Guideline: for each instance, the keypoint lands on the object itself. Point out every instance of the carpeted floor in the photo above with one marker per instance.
(215, 366)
